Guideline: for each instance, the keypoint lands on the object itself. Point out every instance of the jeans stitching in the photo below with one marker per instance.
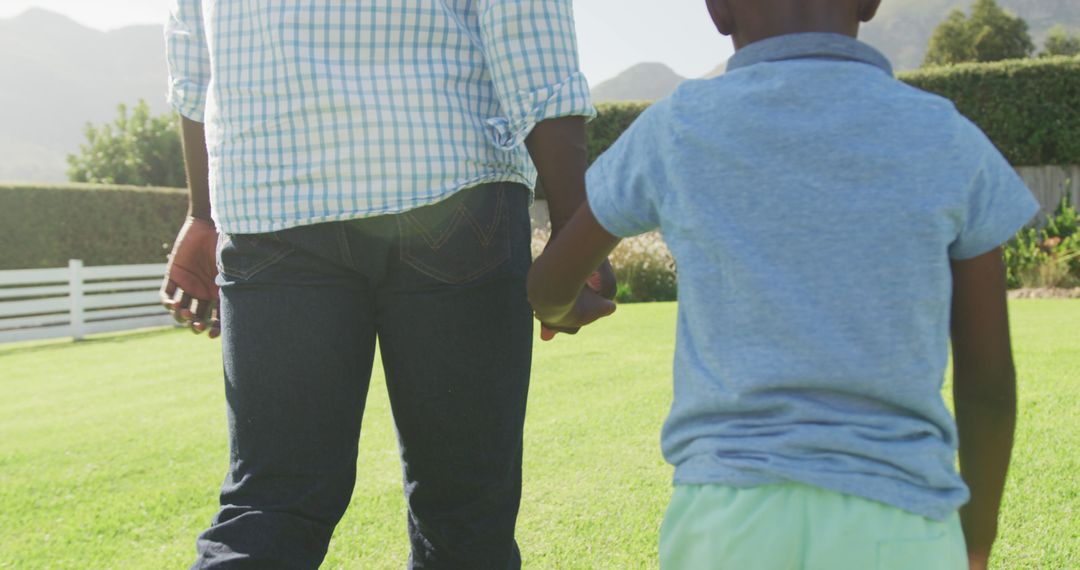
(501, 220)
(486, 237)
(436, 244)
(254, 270)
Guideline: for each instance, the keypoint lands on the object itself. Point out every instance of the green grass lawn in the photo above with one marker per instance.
(112, 449)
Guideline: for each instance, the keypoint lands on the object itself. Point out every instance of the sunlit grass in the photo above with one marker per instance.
(112, 450)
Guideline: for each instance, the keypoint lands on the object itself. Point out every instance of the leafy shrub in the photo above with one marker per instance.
(1047, 256)
(44, 226)
(1026, 106)
(611, 121)
(136, 148)
(643, 265)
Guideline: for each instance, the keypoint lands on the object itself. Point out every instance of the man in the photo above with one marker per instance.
(370, 166)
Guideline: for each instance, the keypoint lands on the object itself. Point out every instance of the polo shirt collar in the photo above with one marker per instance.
(815, 45)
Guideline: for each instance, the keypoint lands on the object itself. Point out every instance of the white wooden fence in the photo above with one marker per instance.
(75, 301)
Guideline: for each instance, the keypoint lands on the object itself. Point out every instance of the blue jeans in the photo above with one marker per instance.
(442, 287)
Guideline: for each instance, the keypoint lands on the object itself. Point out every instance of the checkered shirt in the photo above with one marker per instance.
(325, 110)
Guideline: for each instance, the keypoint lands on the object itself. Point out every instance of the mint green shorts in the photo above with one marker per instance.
(798, 527)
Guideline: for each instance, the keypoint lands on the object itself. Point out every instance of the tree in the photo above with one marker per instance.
(1059, 42)
(989, 34)
(136, 148)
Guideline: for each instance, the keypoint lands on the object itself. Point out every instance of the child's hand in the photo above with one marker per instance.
(567, 284)
(588, 308)
(601, 281)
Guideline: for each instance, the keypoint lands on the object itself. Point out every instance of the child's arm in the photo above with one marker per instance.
(556, 278)
(984, 393)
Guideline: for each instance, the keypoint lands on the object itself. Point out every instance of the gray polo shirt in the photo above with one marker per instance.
(813, 203)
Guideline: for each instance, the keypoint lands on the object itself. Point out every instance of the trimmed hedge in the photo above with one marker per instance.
(1030, 108)
(44, 226)
(611, 121)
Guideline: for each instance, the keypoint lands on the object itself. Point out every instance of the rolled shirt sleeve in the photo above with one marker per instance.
(188, 58)
(530, 48)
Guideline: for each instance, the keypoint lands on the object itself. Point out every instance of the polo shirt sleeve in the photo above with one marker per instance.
(998, 204)
(624, 185)
(188, 59)
(530, 48)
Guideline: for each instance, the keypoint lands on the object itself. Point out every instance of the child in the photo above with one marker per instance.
(829, 224)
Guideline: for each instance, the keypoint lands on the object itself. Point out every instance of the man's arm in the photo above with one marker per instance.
(557, 148)
(984, 394)
(189, 290)
(531, 53)
(555, 280)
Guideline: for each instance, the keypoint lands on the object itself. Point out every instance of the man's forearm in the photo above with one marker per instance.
(557, 147)
(196, 164)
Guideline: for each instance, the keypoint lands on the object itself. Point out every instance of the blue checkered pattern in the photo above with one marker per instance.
(324, 110)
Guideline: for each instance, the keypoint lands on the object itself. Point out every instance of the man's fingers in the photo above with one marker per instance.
(203, 316)
(180, 306)
(593, 308)
(215, 323)
(594, 281)
(548, 332)
(201, 308)
(606, 281)
(168, 290)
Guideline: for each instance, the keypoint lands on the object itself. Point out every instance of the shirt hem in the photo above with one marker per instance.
(911, 501)
(227, 226)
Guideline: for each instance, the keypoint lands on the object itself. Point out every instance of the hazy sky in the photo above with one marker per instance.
(613, 34)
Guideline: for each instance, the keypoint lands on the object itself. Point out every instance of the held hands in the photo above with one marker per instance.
(593, 303)
(189, 290)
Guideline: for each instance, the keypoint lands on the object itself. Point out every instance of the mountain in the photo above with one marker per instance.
(59, 75)
(716, 71)
(902, 29)
(642, 82)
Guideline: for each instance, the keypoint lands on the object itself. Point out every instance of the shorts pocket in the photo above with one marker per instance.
(243, 256)
(460, 239)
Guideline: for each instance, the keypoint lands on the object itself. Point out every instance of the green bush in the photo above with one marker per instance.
(44, 226)
(137, 148)
(1047, 256)
(611, 121)
(1029, 108)
(644, 267)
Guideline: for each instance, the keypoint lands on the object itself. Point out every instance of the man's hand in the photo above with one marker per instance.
(978, 562)
(588, 308)
(602, 282)
(557, 147)
(566, 289)
(189, 290)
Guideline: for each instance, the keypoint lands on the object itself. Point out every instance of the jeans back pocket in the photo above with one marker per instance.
(242, 256)
(461, 238)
